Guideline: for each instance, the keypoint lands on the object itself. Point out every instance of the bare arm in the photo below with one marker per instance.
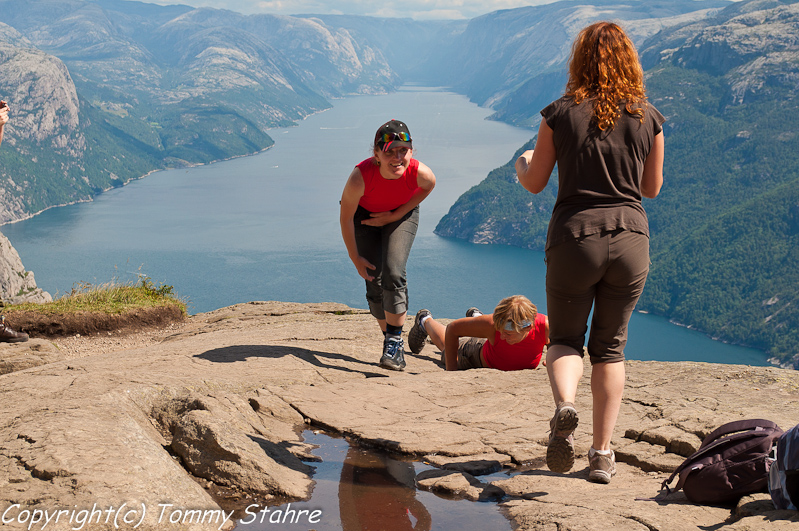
(426, 181)
(3, 118)
(534, 167)
(480, 326)
(546, 330)
(652, 178)
(353, 191)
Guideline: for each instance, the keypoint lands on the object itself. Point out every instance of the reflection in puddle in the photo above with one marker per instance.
(377, 492)
(358, 489)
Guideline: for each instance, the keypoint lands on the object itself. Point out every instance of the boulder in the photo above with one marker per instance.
(221, 445)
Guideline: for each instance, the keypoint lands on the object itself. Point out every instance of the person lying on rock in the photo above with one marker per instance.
(510, 339)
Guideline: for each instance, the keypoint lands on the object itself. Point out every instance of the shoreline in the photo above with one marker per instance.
(198, 164)
(134, 179)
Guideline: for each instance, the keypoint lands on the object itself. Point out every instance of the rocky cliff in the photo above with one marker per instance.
(203, 418)
(16, 284)
(517, 57)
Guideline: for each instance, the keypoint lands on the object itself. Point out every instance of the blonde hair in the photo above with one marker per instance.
(514, 309)
(604, 67)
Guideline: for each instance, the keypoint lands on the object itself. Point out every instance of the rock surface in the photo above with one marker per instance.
(212, 414)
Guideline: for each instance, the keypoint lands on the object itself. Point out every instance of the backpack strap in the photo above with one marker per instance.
(739, 425)
(689, 462)
(665, 485)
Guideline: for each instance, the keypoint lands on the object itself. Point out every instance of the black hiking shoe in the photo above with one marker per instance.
(418, 335)
(393, 354)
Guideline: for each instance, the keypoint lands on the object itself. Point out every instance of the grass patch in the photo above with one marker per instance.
(111, 298)
(89, 309)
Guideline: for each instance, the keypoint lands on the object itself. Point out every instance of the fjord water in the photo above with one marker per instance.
(265, 227)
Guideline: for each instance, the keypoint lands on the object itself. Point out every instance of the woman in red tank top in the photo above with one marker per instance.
(379, 217)
(511, 339)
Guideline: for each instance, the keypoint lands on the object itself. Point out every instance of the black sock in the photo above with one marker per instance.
(392, 330)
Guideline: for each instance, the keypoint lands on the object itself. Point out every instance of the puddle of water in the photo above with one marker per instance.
(358, 489)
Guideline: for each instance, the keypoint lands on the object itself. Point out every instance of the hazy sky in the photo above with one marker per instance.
(417, 9)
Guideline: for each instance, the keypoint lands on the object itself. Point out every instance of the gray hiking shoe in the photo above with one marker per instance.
(473, 312)
(393, 354)
(560, 450)
(602, 467)
(418, 335)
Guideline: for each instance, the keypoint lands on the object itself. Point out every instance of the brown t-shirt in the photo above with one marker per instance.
(599, 172)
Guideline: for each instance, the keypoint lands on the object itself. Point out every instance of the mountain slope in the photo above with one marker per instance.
(725, 227)
(517, 58)
(107, 91)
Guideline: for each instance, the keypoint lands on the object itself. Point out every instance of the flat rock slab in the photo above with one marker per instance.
(124, 429)
(458, 485)
(32, 353)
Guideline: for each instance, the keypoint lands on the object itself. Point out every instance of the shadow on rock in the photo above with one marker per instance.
(433, 359)
(237, 353)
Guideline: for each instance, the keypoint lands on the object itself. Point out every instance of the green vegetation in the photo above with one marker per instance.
(111, 298)
(499, 208)
(725, 231)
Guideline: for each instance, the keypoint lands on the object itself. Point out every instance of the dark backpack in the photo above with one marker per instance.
(731, 462)
(783, 484)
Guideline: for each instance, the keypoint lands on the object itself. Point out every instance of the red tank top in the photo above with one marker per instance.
(382, 195)
(526, 354)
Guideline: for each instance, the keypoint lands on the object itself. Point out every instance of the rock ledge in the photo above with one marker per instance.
(210, 415)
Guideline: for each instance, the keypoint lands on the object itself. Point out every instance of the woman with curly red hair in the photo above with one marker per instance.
(607, 141)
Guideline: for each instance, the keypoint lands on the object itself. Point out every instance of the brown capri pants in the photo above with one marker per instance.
(469, 349)
(607, 271)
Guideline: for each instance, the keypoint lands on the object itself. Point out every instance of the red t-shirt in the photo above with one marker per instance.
(381, 194)
(526, 354)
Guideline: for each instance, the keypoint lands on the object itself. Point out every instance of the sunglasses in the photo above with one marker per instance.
(510, 326)
(390, 137)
